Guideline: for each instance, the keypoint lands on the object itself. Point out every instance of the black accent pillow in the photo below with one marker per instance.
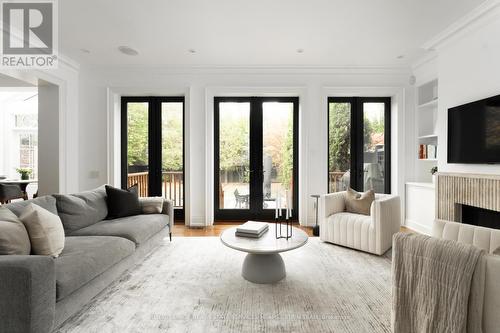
(122, 203)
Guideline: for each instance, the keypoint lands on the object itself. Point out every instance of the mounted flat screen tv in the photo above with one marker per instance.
(474, 132)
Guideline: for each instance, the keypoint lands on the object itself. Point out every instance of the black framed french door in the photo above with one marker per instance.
(255, 156)
(152, 147)
(359, 144)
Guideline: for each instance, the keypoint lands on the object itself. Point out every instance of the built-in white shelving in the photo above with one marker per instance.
(426, 119)
(430, 136)
(419, 193)
(430, 104)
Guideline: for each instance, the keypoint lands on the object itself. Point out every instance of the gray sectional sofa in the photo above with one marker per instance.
(38, 293)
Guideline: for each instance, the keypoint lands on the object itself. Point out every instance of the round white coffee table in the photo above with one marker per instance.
(263, 263)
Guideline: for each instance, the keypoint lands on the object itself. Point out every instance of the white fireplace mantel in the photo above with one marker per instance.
(456, 189)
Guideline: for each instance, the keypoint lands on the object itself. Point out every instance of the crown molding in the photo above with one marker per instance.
(481, 12)
(422, 61)
(68, 62)
(258, 70)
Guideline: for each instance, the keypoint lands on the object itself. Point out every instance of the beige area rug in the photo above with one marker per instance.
(195, 285)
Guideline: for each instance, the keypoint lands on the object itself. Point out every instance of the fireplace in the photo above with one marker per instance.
(456, 191)
(480, 217)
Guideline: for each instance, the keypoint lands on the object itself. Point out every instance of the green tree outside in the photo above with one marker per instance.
(137, 137)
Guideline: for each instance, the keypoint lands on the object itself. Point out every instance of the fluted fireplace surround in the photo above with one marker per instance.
(459, 192)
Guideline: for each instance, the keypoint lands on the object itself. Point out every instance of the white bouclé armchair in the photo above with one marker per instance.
(370, 233)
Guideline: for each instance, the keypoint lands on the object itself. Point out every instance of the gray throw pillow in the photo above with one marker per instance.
(45, 230)
(80, 210)
(359, 203)
(47, 201)
(14, 238)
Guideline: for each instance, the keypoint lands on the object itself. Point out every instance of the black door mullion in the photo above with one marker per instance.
(358, 130)
(387, 143)
(154, 126)
(256, 171)
(295, 199)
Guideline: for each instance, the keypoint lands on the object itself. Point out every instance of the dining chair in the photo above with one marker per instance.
(9, 192)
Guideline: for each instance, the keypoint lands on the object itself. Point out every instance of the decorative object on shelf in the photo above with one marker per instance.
(427, 152)
(24, 173)
(434, 170)
(316, 226)
(288, 222)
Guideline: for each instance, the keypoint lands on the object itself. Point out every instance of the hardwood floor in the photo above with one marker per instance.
(180, 230)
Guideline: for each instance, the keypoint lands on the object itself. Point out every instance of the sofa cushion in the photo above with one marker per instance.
(14, 238)
(349, 229)
(84, 258)
(47, 201)
(137, 228)
(82, 209)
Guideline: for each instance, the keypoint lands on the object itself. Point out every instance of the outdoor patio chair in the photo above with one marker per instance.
(241, 200)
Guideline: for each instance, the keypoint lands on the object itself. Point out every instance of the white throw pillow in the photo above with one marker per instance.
(45, 230)
(151, 205)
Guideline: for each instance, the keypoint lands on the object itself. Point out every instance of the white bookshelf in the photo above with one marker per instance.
(419, 193)
(426, 119)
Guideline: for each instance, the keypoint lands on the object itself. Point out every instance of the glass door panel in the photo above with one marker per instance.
(152, 147)
(277, 153)
(172, 164)
(339, 146)
(373, 147)
(138, 146)
(359, 143)
(234, 155)
(255, 156)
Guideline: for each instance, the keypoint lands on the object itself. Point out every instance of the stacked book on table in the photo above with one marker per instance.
(252, 229)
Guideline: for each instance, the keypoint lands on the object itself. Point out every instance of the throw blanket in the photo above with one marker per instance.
(437, 285)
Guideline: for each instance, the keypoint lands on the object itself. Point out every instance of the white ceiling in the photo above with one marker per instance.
(254, 32)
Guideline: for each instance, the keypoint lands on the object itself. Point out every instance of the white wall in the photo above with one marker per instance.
(199, 85)
(48, 116)
(64, 126)
(468, 70)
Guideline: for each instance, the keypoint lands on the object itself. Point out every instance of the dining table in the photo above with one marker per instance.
(22, 183)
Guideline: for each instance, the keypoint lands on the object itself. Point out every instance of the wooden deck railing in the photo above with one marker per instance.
(172, 185)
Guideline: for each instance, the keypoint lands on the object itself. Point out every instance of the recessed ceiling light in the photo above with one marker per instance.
(300, 50)
(400, 56)
(85, 51)
(192, 51)
(128, 50)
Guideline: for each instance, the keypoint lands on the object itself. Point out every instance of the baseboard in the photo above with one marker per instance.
(197, 222)
(418, 227)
